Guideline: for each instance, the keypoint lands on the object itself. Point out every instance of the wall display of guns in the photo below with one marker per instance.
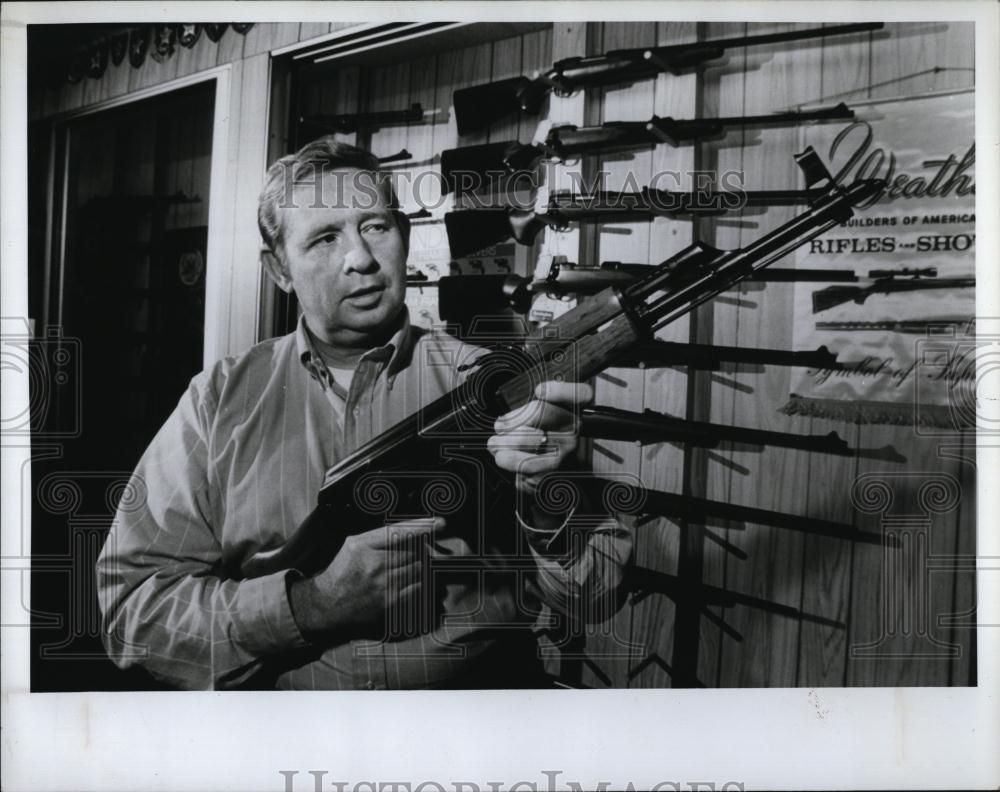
(649, 426)
(480, 106)
(575, 347)
(887, 282)
(345, 123)
(470, 230)
(462, 168)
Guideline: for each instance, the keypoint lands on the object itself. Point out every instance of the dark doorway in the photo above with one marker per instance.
(126, 311)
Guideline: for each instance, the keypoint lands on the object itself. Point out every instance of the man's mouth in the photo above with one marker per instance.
(368, 295)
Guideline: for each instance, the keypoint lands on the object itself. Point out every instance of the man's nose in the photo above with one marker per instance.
(359, 258)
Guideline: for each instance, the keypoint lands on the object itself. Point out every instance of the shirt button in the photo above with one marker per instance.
(370, 685)
(357, 410)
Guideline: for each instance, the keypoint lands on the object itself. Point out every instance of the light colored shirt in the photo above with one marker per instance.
(237, 467)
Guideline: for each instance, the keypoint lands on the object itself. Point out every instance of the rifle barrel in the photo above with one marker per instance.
(728, 268)
(795, 35)
(692, 128)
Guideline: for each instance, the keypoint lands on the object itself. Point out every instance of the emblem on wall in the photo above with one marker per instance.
(138, 43)
(188, 34)
(164, 42)
(97, 58)
(118, 47)
(214, 30)
(77, 68)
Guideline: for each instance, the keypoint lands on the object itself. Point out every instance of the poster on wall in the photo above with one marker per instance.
(901, 329)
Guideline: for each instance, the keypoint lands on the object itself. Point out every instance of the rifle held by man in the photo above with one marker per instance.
(479, 106)
(376, 482)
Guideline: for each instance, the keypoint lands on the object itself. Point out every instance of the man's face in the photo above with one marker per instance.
(345, 256)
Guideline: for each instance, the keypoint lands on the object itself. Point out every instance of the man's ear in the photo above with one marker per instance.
(275, 267)
(403, 224)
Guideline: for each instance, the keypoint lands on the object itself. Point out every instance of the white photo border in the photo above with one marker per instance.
(761, 738)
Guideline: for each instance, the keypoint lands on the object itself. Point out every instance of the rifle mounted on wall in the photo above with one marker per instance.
(470, 230)
(651, 427)
(479, 106)
(886, 282)
(463, 168)
(345, 123)
(484, 294)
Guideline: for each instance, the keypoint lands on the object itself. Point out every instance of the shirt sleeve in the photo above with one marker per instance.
(580, 566)
(165, 603)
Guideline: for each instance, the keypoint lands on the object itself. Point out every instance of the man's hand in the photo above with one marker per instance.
(540, 436)
(374, 572)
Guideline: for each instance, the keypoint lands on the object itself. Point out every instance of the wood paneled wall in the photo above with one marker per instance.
(723, 604)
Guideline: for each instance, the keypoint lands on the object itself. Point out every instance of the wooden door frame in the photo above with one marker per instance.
(219, 252)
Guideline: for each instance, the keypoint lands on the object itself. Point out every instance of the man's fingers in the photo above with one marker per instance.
(525, 439)
(569, 394)
(525, 463)
(545, 415)
(408, 533)
(421, 525)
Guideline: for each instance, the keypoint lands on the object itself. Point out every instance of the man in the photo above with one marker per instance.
(238, 466)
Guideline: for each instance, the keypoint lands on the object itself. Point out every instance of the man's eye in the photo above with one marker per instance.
(326, 239)
(378, 228)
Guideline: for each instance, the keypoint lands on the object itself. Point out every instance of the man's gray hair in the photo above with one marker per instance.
(307, 166)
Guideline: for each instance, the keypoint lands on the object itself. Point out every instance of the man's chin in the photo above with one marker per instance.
(375, 320)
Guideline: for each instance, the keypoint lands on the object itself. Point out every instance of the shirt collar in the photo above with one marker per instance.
(397, 351)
